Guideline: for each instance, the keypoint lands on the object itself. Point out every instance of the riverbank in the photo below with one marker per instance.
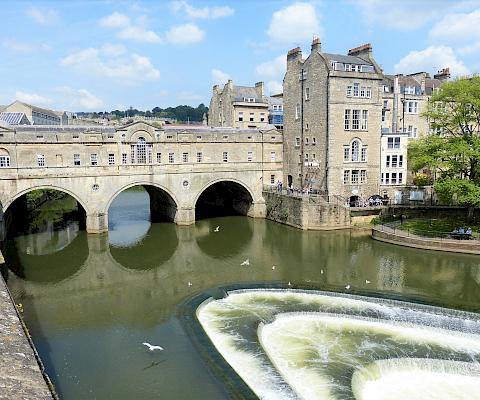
(386, 234)
(20, 373)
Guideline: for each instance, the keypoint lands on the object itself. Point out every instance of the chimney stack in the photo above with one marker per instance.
(260, 88)
(294, 54)
(316, 44)
(443, 74)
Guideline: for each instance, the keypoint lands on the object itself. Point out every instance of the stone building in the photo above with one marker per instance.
(405, 98)
(37, 115)
(332, 122)
(239, 107)
(275, 110)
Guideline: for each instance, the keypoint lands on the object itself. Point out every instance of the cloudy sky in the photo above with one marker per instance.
(101, 55)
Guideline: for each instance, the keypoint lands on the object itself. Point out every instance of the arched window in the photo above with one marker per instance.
(355, 150)
(4, 159)
(141, 152)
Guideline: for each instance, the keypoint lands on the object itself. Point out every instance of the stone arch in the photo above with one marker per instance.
(163, 203)
(10, 201)
(234, 197)
(140, 183)
(239, 182)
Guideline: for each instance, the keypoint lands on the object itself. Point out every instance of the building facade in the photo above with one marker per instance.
(37, 115)
(241, 107)
(332, 122)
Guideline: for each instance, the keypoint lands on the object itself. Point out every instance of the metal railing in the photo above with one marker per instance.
(398, 229)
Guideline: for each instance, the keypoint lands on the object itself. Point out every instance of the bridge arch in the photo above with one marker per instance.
(224, 196)
(163, 203)
(10, 201)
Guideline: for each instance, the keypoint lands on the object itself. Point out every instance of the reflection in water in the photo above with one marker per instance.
(309, 344)
(89, 328)
(47, 257)
(151, 251)
(234, 234)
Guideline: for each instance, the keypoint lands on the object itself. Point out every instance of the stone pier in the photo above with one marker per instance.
(20, 373)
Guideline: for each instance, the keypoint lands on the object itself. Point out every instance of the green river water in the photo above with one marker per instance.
(90, 301)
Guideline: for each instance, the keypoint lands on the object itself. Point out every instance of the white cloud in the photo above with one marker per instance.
(184, 34)
(295, 23)
(124, 68)
(273, 69)
(32, 98)
(43, 16)
(205, 12)
(431, 58)
(137, 31)
(113, 50)
(80, 98)
(473, 48)
(219, 77)
(274, 87)
(139, 34)
(24, 47)
(115, 20)
(457, 28)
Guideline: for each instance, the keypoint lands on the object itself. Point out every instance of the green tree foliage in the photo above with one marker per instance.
(452, 152)
(180, 113)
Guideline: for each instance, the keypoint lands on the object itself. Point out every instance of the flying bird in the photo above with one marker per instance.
(152, 347)
(246, 262)
(216, 229)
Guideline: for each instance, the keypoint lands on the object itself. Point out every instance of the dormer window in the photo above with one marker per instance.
(409, 90)
(348, 67)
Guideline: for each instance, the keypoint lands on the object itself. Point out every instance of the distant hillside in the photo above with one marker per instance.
(180, 113)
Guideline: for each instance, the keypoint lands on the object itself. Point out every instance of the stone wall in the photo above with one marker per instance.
(427, 212)
(306, 212)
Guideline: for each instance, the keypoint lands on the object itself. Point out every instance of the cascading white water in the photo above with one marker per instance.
(289, 344)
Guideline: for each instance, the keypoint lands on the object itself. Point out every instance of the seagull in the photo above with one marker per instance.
(216, 229)
(367, 281)
(246, 262)
(273, 267)
(321, 271)
(190, 284)
(151, 347)
(289, 283)
(347, 287)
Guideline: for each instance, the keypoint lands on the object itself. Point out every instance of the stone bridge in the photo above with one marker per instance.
(178, 166)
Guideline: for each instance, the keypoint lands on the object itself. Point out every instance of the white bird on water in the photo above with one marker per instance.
(289, 283)
(367, 281)
(321, 271)
(189, 283)
(216, 229)
(246, 262)
(347, 287)
(152, 347)
(273, 267)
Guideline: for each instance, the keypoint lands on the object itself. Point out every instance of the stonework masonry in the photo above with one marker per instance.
(332, 110)
(95, 165)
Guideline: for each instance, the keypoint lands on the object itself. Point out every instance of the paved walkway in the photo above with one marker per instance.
(20, 375)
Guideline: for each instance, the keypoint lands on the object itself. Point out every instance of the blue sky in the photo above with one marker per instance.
(103, 55)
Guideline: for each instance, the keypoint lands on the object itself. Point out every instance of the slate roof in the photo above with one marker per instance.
(346, 59)
(245, 91)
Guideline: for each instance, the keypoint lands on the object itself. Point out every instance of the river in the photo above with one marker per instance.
(90, 301)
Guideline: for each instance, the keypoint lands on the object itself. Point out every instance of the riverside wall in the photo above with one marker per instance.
(309, 213)
(21, 374)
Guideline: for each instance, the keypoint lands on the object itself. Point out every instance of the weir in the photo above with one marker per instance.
(313, 345)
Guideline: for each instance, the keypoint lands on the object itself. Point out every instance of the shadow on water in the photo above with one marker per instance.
(233, 236)
(151, 250)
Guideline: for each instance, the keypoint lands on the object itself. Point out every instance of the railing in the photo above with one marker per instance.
(396, 228)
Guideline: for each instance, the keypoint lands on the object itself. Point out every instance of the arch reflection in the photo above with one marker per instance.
(150, 250)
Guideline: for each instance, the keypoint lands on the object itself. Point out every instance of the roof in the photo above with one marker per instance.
(346, 59)
(14, 118)
(275, 100)
(245, 91)
(37, 109)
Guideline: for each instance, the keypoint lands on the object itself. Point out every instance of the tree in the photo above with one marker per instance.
(452, 151)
